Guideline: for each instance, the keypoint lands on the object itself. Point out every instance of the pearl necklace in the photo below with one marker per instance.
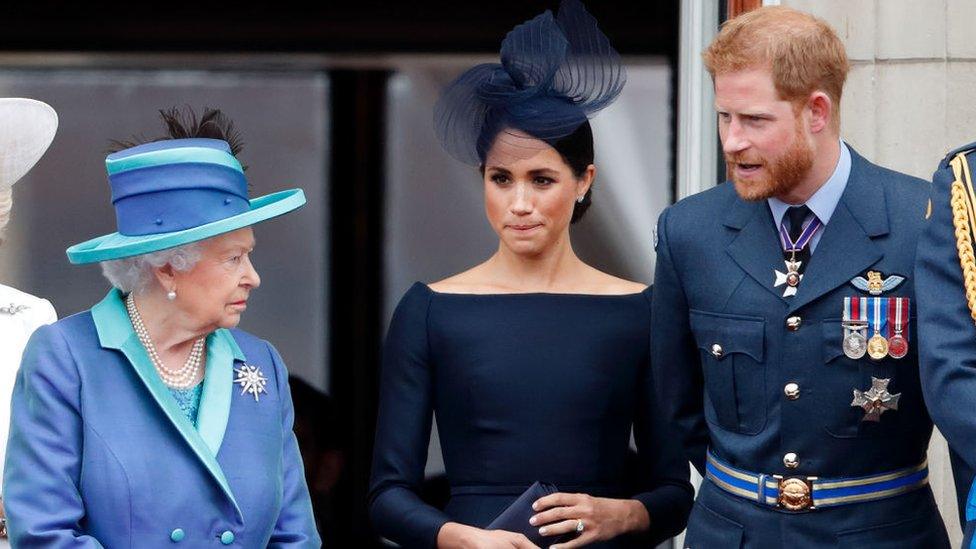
(180, 378)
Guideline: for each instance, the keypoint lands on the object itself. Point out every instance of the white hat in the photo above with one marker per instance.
(27, 128)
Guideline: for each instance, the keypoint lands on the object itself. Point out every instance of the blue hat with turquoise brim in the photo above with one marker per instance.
(174, 192)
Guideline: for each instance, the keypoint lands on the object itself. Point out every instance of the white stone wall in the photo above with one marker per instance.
(909, 99)
(910, 95)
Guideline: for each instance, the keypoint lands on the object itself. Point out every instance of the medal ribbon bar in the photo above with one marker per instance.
(855, 326)
(878, 344)
(897, 329)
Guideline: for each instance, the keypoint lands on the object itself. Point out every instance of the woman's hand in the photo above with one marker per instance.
(458, 536)
(603, 518)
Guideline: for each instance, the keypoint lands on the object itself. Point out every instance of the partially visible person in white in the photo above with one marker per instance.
(27, 128)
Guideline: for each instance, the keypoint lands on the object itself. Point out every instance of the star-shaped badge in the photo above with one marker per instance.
(876, 400)
(13, 309)
(251, 380)
(791, 278)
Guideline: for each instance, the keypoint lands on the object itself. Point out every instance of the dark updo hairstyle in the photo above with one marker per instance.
(576, 150)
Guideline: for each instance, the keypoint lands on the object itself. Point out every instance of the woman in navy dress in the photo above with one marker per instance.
(536, 364)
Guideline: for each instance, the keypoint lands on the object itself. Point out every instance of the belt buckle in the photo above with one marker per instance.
(795, 493)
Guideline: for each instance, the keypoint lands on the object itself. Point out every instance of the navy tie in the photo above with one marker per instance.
(796, 215)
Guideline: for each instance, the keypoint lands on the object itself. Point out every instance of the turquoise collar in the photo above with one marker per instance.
(115, 332)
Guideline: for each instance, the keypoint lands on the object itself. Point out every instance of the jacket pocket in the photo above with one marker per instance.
(709, 530)
(842, 375)
(732, 356)
(914, 533)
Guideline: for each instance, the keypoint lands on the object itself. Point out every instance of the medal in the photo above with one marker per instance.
(897, 347)
(855, 345)
(793, 273)
(898, 343)
(792, 277)
(876, 400)
(855, 321)
(878, 345)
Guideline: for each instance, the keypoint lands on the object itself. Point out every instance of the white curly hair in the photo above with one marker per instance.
(135, 274)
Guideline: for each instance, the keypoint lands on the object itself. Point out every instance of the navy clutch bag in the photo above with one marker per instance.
(516, 517)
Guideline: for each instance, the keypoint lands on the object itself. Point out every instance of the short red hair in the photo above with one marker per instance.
(801, 51)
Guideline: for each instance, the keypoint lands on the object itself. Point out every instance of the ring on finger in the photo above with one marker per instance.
(580, 526)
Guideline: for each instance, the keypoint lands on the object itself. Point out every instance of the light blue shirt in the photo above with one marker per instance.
(824, 201)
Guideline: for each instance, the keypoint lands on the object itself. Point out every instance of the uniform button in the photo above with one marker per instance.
(793, 323)
(227, 537)
(717, 351)
(791, 461)
(177, 535)
(792, 391)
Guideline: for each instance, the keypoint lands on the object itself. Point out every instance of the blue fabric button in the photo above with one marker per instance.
(227, 537)
(177, 535)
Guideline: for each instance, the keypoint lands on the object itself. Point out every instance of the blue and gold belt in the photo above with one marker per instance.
(802, 493)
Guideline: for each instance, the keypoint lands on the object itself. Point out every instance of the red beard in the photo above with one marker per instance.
(780, 177)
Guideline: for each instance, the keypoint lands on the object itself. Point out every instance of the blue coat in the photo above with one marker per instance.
(947, 335)
(716, 256)
(100, 454)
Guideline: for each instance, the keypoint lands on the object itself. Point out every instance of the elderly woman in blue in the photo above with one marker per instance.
(149, 420)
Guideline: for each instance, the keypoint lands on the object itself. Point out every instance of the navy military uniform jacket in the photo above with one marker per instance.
(716, 256)
(947, 335)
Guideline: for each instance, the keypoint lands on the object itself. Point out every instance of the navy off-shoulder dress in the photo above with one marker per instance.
(524, 387)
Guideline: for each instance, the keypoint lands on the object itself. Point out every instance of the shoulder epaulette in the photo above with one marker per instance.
(952, 154)
(962, 200)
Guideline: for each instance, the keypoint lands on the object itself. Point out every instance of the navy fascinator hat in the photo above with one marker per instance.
(555, 72)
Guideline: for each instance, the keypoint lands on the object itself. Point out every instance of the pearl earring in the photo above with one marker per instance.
(580, 199)
(171, 295)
